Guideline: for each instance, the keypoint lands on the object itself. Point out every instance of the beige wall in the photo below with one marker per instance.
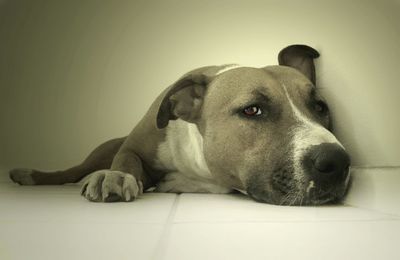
(75, 73)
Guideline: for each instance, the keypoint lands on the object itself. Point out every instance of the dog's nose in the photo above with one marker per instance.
(328, 162)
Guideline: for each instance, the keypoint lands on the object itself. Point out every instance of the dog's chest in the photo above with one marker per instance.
(182, 151)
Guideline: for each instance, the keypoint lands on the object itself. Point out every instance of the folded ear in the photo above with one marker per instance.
(300, 57)
(184, 98)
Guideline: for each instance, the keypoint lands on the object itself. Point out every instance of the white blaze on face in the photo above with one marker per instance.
(306, 133)
(227, 67)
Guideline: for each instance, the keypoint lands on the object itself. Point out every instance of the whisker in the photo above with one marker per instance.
(296, 196)
(285, 198)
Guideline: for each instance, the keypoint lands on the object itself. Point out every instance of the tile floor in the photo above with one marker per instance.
(54, 222)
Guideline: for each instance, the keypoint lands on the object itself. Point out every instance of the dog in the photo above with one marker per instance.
(265, 132)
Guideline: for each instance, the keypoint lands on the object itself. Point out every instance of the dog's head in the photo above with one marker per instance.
(266, 131)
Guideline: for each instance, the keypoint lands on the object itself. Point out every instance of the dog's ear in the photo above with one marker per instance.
(184, 98)
(300, 57)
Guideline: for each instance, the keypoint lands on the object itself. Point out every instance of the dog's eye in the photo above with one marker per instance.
(252, 111)
(320, 107)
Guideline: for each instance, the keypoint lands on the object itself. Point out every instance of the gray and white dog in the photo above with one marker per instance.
(262, 131)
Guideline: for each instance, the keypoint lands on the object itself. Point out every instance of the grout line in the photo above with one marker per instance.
(376, 167)
(161, 245)
(54, 220)
(285, 221)
(393, 215)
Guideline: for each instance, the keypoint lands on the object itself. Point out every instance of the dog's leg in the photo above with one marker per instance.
(100, 158)
(124, 181)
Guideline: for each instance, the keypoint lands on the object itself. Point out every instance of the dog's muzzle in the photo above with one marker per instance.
(324, 178)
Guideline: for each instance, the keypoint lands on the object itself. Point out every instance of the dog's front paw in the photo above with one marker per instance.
(110, 186)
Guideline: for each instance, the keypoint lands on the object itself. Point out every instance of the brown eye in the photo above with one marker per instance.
(252, 111)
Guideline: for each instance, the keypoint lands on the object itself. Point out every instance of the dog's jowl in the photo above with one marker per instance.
(265, 132)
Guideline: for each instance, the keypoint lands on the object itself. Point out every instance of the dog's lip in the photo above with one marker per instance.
(332, 195)
(279, 192)
(303, 202)
(330, 198)
(282, 189)
(320, 202)
(323, 199)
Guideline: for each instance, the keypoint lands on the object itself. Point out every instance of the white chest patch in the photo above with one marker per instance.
(181, 156)
(182, 151)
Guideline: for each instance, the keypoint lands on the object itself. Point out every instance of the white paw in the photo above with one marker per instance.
(22, 176)
(110, 186)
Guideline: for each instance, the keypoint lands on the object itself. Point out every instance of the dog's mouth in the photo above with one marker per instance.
(304, 199)
(298, 198)
(284, 190)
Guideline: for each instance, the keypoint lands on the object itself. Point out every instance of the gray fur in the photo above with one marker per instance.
(22, 176)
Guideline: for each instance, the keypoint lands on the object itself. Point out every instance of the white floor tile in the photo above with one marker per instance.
(75, 241)
(239, 208)
(376, 189)
(55, 222)
(26, 205)
(7, 187)
(314, 240)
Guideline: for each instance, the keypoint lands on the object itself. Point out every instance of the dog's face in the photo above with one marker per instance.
(265, 131)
